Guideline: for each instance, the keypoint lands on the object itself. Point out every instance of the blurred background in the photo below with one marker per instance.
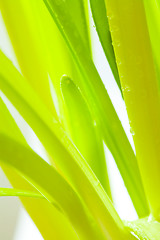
(15, 224)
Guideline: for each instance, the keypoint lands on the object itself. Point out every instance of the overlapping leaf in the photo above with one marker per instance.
(65, 156)
(49, 217)
(100, 104)
(101, 22)
(140, 89)
(153, 19)
(82, 128)
(47, 180)
(8, 192)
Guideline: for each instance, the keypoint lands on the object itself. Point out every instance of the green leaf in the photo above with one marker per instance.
(76, 10)
(39, 37)
(145, 229)
(101, 106)
(84, 131)
(49, 217)
(7, 124)
(101, 22)
(50, 184)
(64, 154)
(27, 46)
(153, 18)
(4, 192)
(20, 86)
(140, 90)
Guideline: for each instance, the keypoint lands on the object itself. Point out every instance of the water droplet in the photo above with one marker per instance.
(114, 29)
(132, 132)
(110, 16)
(95, 123)
(127, 89)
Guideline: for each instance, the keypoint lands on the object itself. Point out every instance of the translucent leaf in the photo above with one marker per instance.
(49, 217)
(140, 89)
(4, 192)
(60, 148)
(50, 184)
(101, 22)
(84, 131)
(101, 106)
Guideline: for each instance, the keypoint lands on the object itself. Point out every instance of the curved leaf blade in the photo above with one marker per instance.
(101, 22)
(153, 18)
(140, 89)
(64, 154)
(51, 184)
(145, 228)
(83, 130)
(49, 217)
(4, 192)
(27, 47)
(101, 106)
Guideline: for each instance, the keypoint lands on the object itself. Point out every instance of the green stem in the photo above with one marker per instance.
(27, 46)
(8, 192)
(64, 154)
(101, 22)
(152, 8)
(101, 106)
(84, 130)
(50, 184)
(140, 88)
(49, 217)
(145, 228)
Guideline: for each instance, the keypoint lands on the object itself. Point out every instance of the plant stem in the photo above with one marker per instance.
(27, 46)
(140, 88)
(84, 131)
(145, 228)
(49, 217)
(102, 27)
(152, 8)
(51, 184)
(64, 154)
(101, 106)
